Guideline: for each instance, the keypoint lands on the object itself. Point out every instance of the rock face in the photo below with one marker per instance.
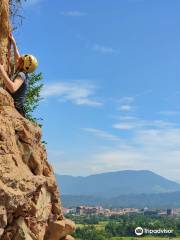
(30, 207)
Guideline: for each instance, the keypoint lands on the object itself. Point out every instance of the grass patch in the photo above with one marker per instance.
(143, 238)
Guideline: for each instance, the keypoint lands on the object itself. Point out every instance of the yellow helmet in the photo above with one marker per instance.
(30, 63)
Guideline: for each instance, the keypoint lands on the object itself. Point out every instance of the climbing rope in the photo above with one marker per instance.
(9, 58)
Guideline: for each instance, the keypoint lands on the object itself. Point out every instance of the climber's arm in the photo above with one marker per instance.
(16, 51)
(11, 86)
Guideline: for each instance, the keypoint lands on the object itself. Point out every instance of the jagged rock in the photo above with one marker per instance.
(30, 206)
(60, 229)
(3, 219)
(68, 237)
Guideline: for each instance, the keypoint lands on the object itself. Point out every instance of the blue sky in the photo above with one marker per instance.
(111, 72)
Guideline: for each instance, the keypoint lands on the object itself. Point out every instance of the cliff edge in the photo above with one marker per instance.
(30, 207)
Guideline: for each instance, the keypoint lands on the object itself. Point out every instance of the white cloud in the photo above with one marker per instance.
(69, 167)
(163, 160)
(104, 49)
(125, 108)
(159, 138)
(102, 134)
(56, 153)
(73, 14)
(155, 150)
(152, 145)
(125, 104)
(75, 91)
(144, 144)
(133, 123)
(156, 143)
(170, 113)
(123, 126)
(115, 159)
(126, 118)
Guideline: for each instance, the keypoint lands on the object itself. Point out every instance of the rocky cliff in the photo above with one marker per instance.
(30, 207)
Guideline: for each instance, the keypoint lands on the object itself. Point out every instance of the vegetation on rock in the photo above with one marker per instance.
(33, 96)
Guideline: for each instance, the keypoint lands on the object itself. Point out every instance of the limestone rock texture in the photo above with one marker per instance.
(30, 207)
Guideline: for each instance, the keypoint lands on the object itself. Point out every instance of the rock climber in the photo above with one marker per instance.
(17, 85)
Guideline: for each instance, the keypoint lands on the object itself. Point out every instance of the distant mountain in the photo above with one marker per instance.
(158, 200)
(114, 184)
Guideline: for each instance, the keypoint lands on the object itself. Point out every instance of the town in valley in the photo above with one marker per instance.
(108, 212)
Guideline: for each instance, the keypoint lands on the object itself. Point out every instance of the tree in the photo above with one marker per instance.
(33, 96)
(89, 233)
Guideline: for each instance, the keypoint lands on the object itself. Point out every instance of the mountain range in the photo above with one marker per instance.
(120, 189)
(157, 200)
(113, 184)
